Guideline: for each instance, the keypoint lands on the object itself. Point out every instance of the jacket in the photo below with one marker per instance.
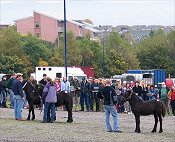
(49, 93)
(105, 94)
(85, 87)
(17, 88)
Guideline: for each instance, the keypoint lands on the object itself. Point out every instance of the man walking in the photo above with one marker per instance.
(18, 96)
(108, 94)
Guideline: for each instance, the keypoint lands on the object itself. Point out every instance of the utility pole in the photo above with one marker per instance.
(65, 40)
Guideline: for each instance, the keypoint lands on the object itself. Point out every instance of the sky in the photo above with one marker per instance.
(101, 12)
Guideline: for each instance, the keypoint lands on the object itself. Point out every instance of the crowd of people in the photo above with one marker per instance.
(86, 93)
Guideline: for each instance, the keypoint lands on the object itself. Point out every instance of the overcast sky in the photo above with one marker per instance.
(101, 12)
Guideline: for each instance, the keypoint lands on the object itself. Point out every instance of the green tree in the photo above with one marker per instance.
(35, 50)
(10, 64)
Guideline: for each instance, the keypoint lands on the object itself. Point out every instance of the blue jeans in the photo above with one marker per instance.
(111, 109)
(49, 108)
(18, 106)
(84, 97)
(4, 96)
(11, 98)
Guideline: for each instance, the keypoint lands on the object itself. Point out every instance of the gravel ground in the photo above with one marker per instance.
(87, 127)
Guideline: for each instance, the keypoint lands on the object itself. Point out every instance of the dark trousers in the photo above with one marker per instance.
(84, 97)
(173, 106)
(93, 97)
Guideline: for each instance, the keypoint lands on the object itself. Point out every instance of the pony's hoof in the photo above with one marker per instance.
(137, 131)
(33, 118)
(160, 131)
(153, 131)
(28, 119)
(69, 121)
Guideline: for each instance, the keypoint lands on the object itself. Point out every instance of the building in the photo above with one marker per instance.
(50, 29)
(3, 26)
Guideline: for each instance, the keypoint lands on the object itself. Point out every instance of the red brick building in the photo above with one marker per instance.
(49, 28)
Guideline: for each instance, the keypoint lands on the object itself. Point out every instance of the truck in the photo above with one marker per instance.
(153, 76)
(59, 72)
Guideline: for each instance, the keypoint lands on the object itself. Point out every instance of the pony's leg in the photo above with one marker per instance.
(33, 113)
(137, 119)
(155, 125)
(69, 110)
(160, 120)
(28, 118)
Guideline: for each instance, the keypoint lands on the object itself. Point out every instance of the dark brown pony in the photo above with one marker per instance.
(34, 93)
(143, 108)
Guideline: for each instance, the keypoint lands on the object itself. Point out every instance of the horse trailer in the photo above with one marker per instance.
(59, 72)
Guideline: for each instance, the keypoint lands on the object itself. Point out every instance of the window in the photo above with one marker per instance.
(39, 69)
(37, 25)
(59, 75)
(44, 69)
(50, 69)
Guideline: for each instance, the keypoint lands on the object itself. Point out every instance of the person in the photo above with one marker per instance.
(143, 90)
(49, 98)
(18, 96)
(58, 84)
(33, 83)
(173, 100)
(137, 89)
(3, 91)
(95, 87)
(147, 90)
(90, 94)
(101, 85)
(107, 93)
(152, 94)
(163, 93)
(120, 103)
(44, 80)
(9, 85)
(84, 94)
(76, 92)
(65, 86)
(127, 105)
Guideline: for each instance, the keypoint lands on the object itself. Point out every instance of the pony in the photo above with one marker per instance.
(143, 108)
(33, 96)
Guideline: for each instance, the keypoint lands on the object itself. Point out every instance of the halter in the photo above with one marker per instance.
(128, 98)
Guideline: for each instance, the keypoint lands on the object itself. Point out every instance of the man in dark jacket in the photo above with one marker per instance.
(3, 91)
(18, 96)
(84, 94)
(44, 80)
(108, 94)
(137, 89)
(95, 87)
(76, 91)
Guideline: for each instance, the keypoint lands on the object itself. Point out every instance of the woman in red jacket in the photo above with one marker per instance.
(173, 100)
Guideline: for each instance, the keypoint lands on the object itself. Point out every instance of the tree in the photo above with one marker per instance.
(10, 64)
(155, 52)
(35, 50)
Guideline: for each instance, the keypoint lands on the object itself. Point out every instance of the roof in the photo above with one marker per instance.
(23, 18)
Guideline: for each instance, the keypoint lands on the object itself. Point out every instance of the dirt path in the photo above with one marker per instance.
(87, 126)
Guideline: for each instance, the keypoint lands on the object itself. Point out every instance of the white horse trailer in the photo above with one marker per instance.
(59, 72)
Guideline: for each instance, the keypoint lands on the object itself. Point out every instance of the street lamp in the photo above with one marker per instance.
(102, 60)
(65, 40)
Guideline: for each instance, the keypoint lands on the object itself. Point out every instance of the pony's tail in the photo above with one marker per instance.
(163, 109)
